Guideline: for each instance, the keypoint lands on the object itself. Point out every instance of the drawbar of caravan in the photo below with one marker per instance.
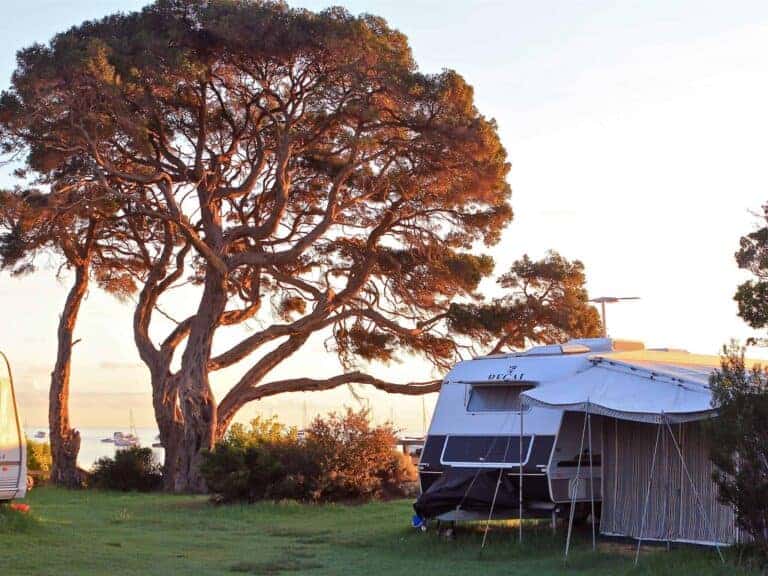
(13, 453)
(482, 438)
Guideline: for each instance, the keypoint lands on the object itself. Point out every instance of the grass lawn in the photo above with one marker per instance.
(89, 532)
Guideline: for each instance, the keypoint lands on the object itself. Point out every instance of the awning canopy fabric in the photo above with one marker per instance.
(622, 390)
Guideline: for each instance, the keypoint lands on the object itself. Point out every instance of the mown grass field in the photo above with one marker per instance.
(84, 533)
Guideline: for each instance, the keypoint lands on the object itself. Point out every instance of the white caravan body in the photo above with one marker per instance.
(13, 452)
(479, 423)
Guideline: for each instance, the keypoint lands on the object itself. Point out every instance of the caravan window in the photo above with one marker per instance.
(9, 437)
(496, 397)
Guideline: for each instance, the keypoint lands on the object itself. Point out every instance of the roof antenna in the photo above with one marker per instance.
(603, 300)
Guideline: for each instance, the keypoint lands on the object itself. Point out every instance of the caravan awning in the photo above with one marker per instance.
(629, 392)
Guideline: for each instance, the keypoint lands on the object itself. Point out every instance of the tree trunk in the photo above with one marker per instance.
(65, 441)
(198, 438)
(198, 405)
(169, 423)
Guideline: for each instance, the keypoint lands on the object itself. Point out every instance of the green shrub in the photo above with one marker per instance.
(261, 430)
(132, 469)
(262, 461)
(39, 459)
(339, 458)
(738, 440)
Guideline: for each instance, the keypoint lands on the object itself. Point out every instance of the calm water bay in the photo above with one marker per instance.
(92, 448)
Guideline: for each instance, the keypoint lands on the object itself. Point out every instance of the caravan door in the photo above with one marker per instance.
(13, 456)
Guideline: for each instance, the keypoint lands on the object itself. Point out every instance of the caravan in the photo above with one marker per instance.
(487, 451)
(13, 453)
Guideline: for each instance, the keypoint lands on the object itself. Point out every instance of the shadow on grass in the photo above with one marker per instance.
(543, 552)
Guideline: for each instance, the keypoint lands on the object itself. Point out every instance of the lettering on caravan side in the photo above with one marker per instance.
(509, 375)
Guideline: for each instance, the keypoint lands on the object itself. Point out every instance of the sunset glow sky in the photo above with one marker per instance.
(637, 135)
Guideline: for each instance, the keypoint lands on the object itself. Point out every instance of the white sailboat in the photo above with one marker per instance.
(129, 440)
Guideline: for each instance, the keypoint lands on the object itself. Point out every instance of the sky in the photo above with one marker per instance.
(637, 136)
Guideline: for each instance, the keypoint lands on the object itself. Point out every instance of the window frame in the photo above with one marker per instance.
(523, 385)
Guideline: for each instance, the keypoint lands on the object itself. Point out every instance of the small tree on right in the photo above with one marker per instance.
(739, 442)
(738, 437)
(752, 295)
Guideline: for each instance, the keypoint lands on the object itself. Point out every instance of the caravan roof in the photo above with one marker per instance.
(639, 385)
(538, 364)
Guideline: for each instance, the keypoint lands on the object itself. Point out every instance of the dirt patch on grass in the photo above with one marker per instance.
(300, 553)
(617, 547)
(274, 567)
(313, 540)
(298, 533)
(350, 543)
(185, 503)
(308, 537)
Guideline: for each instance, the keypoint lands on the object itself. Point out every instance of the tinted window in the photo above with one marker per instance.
(9, 437)
(496, 398)
(485, 449)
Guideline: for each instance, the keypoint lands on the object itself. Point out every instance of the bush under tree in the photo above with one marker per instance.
(39, 459)
(131, 469)
(339, 458)
(258, 462)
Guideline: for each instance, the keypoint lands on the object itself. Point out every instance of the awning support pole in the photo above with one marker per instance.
(648, 494)
(615, 470)
(591, 480)
(520, 481)
(575, 490)
(703, 513)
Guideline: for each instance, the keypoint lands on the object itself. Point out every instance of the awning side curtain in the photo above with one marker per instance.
(673, 511)
(625, 394)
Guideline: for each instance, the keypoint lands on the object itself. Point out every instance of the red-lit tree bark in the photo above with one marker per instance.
(65, 441)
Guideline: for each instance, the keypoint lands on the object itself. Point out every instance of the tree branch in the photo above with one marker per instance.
(318, 385)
